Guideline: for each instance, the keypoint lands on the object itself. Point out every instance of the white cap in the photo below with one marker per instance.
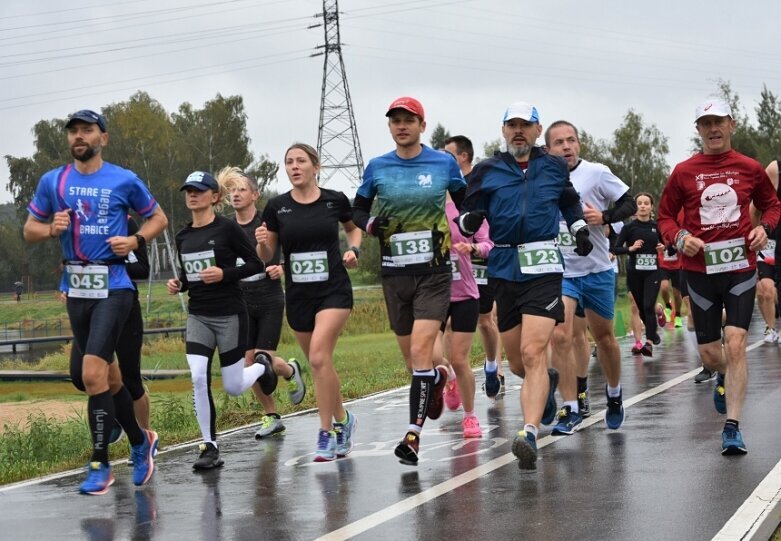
(522, 110)
(715, 107)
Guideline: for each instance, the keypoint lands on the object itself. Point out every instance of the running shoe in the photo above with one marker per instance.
(344, 435)
(637, 348)
(569, 422)
(296, 388)
(656, 340)
(525, 450)
(268, 380)
(471, 427)
(501, 383)
(669, 313)
(436, 402)
(209, 458)
(116, 433)
(269, 426)
(678, 322)
(661, 319)
(99, 478)
(549, 414)
(720, 394)
(452, 398)
(647, 350)
(732, 442)
(326, 446)
(584, 405)
(771, 336)
(614, 416)
(143, 458)
(704, 375)
(492, 383)
(408, 448)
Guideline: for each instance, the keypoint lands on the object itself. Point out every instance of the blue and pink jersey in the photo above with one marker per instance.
(99, 204)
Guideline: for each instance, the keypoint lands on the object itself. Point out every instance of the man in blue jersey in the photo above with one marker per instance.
(521, 192)
(84, 205)
(410, 184)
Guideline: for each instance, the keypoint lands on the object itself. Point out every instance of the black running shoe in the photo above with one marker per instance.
(584, 405)
(209, 459)
(268, 381)
(704, 375)
(408, 448)
(549, 414)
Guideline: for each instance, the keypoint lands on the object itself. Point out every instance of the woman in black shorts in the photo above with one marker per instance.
(318, 292)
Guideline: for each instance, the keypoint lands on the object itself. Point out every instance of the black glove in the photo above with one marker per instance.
(470, 222)
(583, 244)
(671, 251)
(377, 226)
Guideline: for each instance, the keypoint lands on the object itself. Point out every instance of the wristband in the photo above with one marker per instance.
(355, 250)
(679, 239)
(577, 226)
(767, 228)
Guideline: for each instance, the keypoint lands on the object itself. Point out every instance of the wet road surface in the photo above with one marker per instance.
(661, 476)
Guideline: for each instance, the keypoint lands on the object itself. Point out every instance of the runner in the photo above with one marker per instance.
(641, 240)
(588, 288)
(462, 150)
(95, 245)
(670, 286)
(719, 247)
(305, 222)
(521, 192)
(265, 303)
(410, 183)
(208, 249)
(767, 296)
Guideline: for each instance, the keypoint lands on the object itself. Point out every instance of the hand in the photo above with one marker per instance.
(275, 272)
(692, 245)
(211, 275)
(592, 215)
(377, 226)
(173, 285)
(583, 244)
(463, 247)
(349, 260)
(757, 238)
(261, 234)
(60, 223)
(470, 222)
(659, 247)
(636, 245)
(121, 246)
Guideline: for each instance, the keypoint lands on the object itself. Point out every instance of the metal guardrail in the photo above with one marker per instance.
(44, 339)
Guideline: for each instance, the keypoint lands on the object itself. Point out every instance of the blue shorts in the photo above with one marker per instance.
(594, 292)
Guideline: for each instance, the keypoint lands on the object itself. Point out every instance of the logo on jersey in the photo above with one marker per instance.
(329, 205)
(719, 207)
(83, 209)
(424, 180)
(284, 210)
(211, 242)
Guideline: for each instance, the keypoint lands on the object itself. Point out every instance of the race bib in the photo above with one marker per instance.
(540, 257)
(566, 239)
(411, 248)
(196, 262)
(87, 282)
(309, 267)
(480, 272)
(725, 256)
(454, 269)
(254, 278)
(645, 262)
(769, 252)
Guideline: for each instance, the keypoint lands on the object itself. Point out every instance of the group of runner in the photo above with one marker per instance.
(517, 246)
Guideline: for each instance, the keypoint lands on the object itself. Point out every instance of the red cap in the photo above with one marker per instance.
(408, 104)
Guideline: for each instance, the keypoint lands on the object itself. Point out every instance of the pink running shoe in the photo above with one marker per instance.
(471, 427)
(637, 348)
(661, 318)
(452, 398)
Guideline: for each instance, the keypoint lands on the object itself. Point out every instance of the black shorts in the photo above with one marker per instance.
(486, 297)
(684, 287)
(409, 297)
(97, 323)
(265, 321)
(765, 270)
(710, 293)
(301, 312)
(463, 316)
(538, 297)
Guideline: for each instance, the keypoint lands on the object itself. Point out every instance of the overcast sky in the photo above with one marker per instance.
(587, 62)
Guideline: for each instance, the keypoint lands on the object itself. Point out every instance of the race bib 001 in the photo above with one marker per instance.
(540, 257)
(308, 267)
(725, 256)
(87, 282)
(196, 262)
(411, 248)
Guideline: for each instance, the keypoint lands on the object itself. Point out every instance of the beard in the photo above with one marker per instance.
(86, 155)
(518, 151)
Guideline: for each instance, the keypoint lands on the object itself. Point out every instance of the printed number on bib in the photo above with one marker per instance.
(540, 257)
(480, 272)
(725, 256)
(645, 262)
(769, 252)
(566, 239)
(254, 278)
(309, 267)
(196, 262)
(454, 270)
(88, 282)
(411, 248)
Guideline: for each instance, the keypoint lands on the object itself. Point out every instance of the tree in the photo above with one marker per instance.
(439, 136)
(768, 132)
(492, 147)
(264, 171)
(592, 149)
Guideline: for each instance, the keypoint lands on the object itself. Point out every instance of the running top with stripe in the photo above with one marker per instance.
(99, 204)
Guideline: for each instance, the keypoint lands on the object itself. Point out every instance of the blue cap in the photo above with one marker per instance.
(201, 181)
(90, 117)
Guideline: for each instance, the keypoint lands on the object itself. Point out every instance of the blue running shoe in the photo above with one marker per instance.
(99, 478)
(732, 442)
(549, 414)
(492, 383)
(344, 435)
(719, 395)
(143, 458)
(525, 449)
(614, 416)
(568, 422)
(326, 446)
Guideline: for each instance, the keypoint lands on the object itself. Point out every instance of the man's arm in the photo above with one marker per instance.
(624, 207)
(38, 231)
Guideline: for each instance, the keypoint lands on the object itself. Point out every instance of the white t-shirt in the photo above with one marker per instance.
(598, 187)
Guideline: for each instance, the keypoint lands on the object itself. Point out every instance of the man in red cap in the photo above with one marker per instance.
(410, 184)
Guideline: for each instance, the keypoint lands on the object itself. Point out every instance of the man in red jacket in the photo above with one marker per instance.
(719, 247)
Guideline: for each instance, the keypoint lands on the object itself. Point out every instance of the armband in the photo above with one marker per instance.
(577, 226)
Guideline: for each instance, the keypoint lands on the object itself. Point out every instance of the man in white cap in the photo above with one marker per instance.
(521, 192)
(718, 244)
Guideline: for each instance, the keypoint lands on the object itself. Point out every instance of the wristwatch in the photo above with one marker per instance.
(356, 251)
(141, 241)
